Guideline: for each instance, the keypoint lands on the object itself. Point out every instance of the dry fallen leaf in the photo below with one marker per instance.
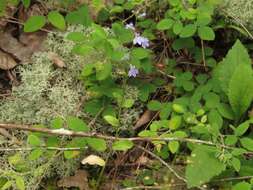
(80, 180)
(6, 61)
(145, 118)
(93, 160)
(56, 59)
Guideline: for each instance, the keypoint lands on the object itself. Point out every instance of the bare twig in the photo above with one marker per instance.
(163, 162)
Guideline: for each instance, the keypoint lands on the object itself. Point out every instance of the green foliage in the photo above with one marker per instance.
(198, 171)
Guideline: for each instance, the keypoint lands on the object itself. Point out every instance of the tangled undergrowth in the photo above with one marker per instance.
(133, 86)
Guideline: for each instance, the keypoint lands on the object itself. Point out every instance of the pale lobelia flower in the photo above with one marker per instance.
(142, 15)
(140, 40)
(133, 71)
(130, 26)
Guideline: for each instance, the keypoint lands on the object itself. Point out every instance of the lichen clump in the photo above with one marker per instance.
(239, 9)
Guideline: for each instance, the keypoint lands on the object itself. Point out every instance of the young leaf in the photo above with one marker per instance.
(240, 89)
(177, 27)
(35, 154)
(112, 120)
(236, 163)
(242, 128)
(173, 146)
(77, 124)
(206, 33)
(34, 140)
(34, 23)
(122, 145)
(242, 186)
(20, 183)
(57, 20)
(7, 185)
(175, 122)
(97, 144)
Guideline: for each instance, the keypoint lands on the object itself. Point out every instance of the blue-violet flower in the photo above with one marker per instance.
(133, 71)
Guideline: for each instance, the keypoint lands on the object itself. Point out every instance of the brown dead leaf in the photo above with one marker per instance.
(9, 12)
(145, 118)
(56, 59)
(6, 61)
(80, 180)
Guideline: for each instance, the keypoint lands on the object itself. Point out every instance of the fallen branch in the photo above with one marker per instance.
(65, 132)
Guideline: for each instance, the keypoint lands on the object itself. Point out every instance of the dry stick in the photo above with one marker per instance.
(65, 132)
(203, 53)
(163, 162)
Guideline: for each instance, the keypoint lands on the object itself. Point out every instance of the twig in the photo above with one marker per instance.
(42, 148)
(203, 53)
(153, 187)
(65, 132)
(163, 162)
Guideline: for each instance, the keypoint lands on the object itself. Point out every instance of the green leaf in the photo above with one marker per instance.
(177, 27)
(165, 24)
(188, 31)
(77, 124)
(198, 171)
(34, 140)
(226, 111)
(34, 23)
(236, 57)
(112, 120)
(124, 35)
(173, 146)
(97, 144)
(147, 133)
(20, 183)
(240, 89)
(35, 154)
(82, 49)
(242, 128)
(231, 140)
(7, 185)
(26, 3)
(122, 145)
(154, 105)
(215, 118)
(206, 33)
(247, 143)
(57, 123)
(103, 70)
(242, 186)
(57, 20)
(203, 19)
(236, 163)
(81, 16)
(76, 36)
(140, 53)
(175, 122)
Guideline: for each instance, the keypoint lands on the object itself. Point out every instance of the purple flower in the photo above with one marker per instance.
(142, 41)
(130, 26)
(133, 71)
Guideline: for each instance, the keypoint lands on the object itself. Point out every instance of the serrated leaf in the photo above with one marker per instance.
(57, 20)
(34, 23)
(240, 89)
(198, 171)
(206, 33)
(122, 145)
(236, 57)
(77, 124)
(97, 144)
